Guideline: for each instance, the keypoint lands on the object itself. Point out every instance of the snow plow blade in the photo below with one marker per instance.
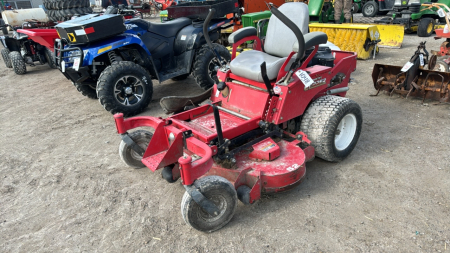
(391, 35)
(421, 83)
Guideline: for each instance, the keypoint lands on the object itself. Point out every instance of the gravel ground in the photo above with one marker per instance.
(64, 188)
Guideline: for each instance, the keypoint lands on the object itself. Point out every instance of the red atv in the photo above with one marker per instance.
(271, 111)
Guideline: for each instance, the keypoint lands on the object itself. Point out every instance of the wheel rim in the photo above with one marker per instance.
(370, 9)
(129, 90)
(220, 202)
(212, 72)
(141, 143)
(345, 132)
(430, 28)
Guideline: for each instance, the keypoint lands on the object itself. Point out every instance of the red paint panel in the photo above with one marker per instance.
(89, 30)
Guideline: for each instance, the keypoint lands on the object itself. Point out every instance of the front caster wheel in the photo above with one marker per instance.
(124, 87)
(218, 190)
(128, 155)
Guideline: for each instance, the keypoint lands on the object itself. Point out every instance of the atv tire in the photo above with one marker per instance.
(50, 58)
(370, 9)
(125, 87)
(5, 55)
(333, 125)
(205, 62)
(86, 89)
(18, 63)
(426, 27)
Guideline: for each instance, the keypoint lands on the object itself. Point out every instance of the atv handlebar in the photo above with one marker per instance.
(294, 28)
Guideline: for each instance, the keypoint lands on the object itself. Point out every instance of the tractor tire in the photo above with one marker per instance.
(441, 66)
(67, 4)
(426, 27)
(181, 78)
(333, 125)
(370, 9)
(6, 59)
(18, 63)
(205, 62)
(125, 87)
(128, 155)
(218, 190)
(50, 58)
(86, 89)
(48, 5)
(4, 29)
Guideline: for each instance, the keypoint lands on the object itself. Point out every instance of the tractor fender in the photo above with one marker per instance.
(111, 44)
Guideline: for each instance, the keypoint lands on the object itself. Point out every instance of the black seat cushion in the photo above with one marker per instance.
(170, 28)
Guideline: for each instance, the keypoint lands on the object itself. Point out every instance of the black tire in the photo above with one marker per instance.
(203, 68)
(321, 122)
(128, 155)
(181, 78)
(370, 9)
(218, 190)
(5, 55)
(87, 89)
(355, 8)
(18, 63)
(67, 4)
(110, 80)
(426, 27)
(441, 66)
(49, 56)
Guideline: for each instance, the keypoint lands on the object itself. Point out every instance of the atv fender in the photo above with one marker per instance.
(106, 46)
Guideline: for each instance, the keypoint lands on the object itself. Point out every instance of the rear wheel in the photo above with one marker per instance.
(18, 63)
(5, 55)
(355, 8)
(218, 190)
(124, 87)
(128, 155)
(333, 124)
(441, 66)
(205, 63)
(370, 9)
(426, 27)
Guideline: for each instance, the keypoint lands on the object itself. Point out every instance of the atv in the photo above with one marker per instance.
(115, 62)
(19, 51)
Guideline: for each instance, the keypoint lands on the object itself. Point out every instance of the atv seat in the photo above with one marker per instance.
(167, 29)
(279, 43)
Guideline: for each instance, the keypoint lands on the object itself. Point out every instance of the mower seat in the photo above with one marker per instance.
(279, 43)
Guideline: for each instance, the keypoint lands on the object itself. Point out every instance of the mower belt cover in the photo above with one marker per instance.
(425, 84)
(90, 28)
(359, 38)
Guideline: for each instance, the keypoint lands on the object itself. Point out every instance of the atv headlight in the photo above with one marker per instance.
(159, 6)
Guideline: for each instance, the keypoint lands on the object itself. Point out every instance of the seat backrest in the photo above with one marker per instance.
(279, 38)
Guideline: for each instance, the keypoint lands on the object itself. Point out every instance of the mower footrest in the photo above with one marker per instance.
(153, 161)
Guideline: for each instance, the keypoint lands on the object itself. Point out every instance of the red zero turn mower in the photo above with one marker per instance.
(270, 113)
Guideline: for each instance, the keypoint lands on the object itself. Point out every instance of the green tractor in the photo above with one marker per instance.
(415, 17)
(322, 11)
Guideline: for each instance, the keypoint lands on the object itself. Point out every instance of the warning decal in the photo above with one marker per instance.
(71, 37)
